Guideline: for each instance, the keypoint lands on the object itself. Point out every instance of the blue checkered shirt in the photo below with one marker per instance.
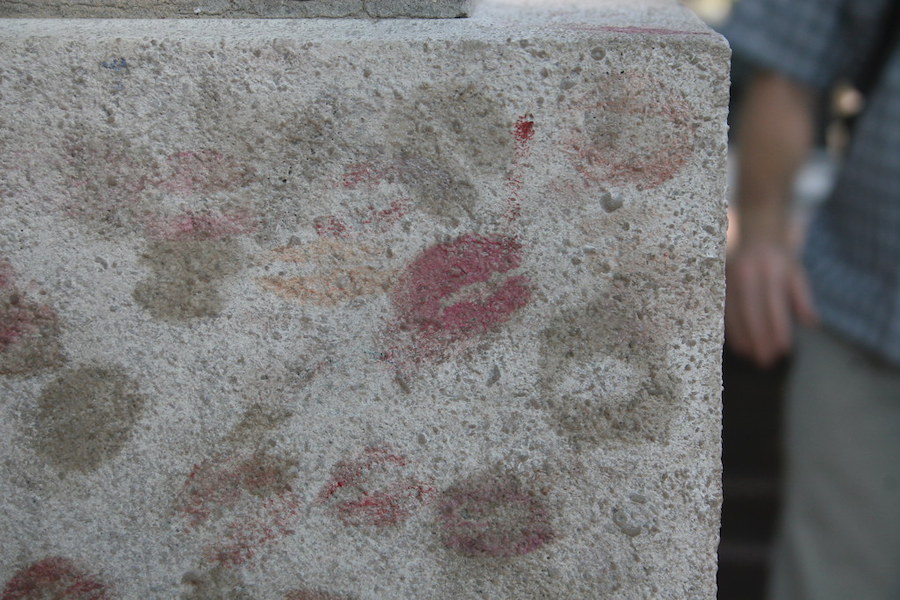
(853, 249)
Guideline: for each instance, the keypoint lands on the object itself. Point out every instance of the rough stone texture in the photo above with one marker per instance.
(271, 9)
(362, 310)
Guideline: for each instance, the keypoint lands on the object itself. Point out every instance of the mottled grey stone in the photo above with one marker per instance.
(262, 9)
(358, 309)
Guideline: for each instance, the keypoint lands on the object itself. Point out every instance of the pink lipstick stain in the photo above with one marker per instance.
(493, 516)
(374, 490)
(456, 291)
(244, 500)
(54, 577)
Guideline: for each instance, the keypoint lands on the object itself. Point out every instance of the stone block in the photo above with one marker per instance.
(353, 309)
(270, 9)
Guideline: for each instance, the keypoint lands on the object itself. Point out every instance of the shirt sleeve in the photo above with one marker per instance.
(804, 40)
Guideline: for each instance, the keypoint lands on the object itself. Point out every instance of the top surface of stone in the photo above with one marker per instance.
(266, 9)
(558, 20)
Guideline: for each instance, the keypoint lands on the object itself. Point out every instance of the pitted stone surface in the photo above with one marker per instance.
(264, 9)
(362, 310)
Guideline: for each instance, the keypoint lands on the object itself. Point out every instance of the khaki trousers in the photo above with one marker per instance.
(840, 530)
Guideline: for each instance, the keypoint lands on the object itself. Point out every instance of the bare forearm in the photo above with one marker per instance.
(775, 134)
(766, 285)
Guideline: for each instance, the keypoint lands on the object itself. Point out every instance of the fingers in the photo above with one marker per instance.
(801, 299)
(765, 288)
(776, 310)
(747, 324)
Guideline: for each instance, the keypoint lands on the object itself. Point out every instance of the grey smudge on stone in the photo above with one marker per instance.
(625, 526)
(627, 392)
(185, 277)
(494, 376)
(85, 416)
(219, 583)
(608, 201)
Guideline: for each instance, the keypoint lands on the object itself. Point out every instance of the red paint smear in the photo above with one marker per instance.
(351, 472)
(496, 519)
(191, 226)
(205, 171)
(211, 485)
(218, 484)
(370, 490)
(447, 269)
(383, 508)
(54, 577)
(386, 217)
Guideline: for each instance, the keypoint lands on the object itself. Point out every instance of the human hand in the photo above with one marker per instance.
(766, 287)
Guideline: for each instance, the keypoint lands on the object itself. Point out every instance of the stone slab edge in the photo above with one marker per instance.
(265, 9)
(531, 36)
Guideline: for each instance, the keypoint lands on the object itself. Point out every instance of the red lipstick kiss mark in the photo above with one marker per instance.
(54, 577)
(638, 134)
(14, 323)
(458, 290)
(372, 490)
(191, 225)
(371, 220)
(245, 501)
(29, 332)
(493, 516)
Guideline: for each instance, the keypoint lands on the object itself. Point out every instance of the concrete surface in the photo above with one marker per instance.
(277, 9)
(371, 310)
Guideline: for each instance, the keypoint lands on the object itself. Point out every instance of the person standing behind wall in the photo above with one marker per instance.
(840, 532)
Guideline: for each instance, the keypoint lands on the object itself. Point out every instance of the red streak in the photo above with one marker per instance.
(524, 134)
(524, 129)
